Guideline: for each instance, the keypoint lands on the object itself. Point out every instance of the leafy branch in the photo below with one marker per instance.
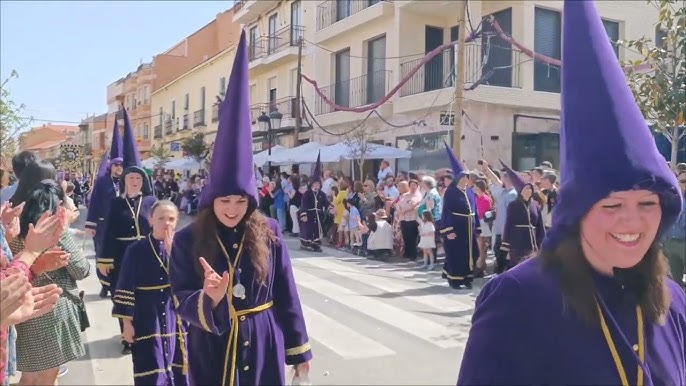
(11, 121)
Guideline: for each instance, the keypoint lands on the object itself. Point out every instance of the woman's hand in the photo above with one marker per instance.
(214, 286)
(9, 213)
(46, 233)
(129, 332)
(36, 302)
(168, 240)
(302, 369)
(50, 260)
(12, 292)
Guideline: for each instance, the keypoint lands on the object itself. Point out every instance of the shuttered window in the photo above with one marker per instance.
(548, 42)
(612, 29)
(500, 53)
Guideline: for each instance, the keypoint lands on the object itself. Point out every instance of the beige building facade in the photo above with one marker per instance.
(363, 49)
(274, 31)
(189, 103)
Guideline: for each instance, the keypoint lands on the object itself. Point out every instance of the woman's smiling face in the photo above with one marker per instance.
(619, 229)
(230, 210)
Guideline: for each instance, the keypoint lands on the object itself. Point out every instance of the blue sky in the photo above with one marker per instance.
(66, 53)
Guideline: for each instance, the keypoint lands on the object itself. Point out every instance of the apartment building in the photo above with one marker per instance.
(190, 103)
(275, 30)
(46, 140)
(364, 48)
(95, 137)
(135, 89)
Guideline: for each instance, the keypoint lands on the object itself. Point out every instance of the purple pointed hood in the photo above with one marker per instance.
(231, 167)
(605, 143)
(455, 165)
(116, 148)
(317, 172)
(517, 181)
(104, 163)
(130, 152)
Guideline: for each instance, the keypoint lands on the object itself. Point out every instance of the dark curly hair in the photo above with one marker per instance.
(47, 196)
(259, 239)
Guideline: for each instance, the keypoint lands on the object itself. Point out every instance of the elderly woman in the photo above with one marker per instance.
(596, 306)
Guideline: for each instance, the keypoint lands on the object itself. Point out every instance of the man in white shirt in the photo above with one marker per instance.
(328, 182)
(385, 171)
(390, 191)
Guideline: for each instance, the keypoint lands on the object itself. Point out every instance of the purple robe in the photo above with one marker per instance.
(524, 230)
(143, 294)
(313, 207)
(122, 227)
(459, 218)
(523, 333)
(270, 329)
(105, 189)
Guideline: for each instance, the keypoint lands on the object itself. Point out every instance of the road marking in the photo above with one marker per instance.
(424, 329)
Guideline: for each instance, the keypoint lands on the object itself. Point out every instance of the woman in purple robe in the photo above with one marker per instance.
(524, 231)
(127, 222)
(144, 303)
(596, 306)
(230, 268)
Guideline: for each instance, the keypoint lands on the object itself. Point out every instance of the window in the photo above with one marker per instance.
(612, 29)
(376, 69)
(342, 77)
(202, 98)
(343, 9)
(186, 102)
(173, 110)
(499, 51)
(253, 93)
(271, 92)
(146, 131)
(161, 115)
(252, 47)
(296, 22)
(293, 79)
(146, 94)
(547, 41)
(222, 86)
(272, 42)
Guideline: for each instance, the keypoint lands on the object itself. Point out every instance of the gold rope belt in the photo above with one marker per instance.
(232, 344)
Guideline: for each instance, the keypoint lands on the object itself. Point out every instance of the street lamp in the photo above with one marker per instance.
(269, 123)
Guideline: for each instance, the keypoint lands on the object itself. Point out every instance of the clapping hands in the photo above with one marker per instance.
(47, 231)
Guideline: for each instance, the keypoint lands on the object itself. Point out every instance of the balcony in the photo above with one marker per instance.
(199, 118)
(274, 49)
(501, 70)
(215, 113)
(360, 91)
(168, 126)
(185, 125)
(158, 131)
(247, 10)
(286, 106)
(336, 17)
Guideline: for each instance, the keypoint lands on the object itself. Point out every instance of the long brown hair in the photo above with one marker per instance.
(258, 240)
(647, 278)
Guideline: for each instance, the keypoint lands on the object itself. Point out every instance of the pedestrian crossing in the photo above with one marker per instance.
(405, 302)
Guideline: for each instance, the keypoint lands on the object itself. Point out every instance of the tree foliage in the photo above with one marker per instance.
(660, 91)
(162, 155)
(360, 145)
(196, 147)
(11, 121)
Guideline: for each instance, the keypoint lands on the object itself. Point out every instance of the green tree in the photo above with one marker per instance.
(11, 121)
(360, 145)
(162, 154)
(658, 79)
(196, 147)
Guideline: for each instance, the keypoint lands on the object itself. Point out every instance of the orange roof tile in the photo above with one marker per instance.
(46, 145)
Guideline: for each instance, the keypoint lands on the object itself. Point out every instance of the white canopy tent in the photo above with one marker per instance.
(149, 163)
(307, 153)
(260, 158)
(185, 163)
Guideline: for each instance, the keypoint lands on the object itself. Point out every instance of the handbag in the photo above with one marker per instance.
(84, 321)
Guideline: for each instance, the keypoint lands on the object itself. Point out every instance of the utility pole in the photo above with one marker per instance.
(298, 95)
(459, 80)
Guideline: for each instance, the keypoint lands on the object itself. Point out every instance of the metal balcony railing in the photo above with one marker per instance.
(185, 125)
(158, 131)
(168, 126)
(360, 91)
(215, 113)
(331, 11)
(286, 106)
(278, 41)
(500, 68)
(199, 118)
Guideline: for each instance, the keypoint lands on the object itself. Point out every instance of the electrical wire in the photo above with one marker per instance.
(77, 123)
(363, 57)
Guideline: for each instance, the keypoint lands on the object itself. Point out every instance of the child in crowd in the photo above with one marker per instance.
(427, 239)
(354, 221)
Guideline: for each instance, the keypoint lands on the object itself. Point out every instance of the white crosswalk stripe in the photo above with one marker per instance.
(443, 335)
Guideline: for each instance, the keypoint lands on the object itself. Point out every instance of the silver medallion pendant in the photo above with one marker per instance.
(239, 291)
